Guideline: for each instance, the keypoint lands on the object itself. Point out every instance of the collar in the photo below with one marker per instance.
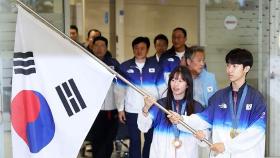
(240, 90)
(200, 75)
(132, 62)
(157, 57)
(173, 49)
(181, 101)
(107, 57)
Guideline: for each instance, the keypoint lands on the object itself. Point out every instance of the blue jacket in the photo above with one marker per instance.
(110, 100)
(166, 67)
(145, 79)
(171, 53)
(112, 62)
(154, 58)
(250, 138)
(163, 135)
(204, 86)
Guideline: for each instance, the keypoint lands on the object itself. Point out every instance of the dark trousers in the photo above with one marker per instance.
(103, 133)
(135, 137)
(147, 144)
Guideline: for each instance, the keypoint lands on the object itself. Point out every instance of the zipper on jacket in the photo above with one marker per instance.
(141, 78)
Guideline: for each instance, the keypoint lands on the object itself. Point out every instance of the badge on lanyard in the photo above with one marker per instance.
(233, 133)
(177, 143)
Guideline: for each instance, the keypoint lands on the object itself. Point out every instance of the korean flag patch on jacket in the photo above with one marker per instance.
(152, 70)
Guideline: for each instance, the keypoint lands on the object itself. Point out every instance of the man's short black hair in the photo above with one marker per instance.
(161, 37)
(101, 38)
(74, 27)
(95, 30)
(239, 56)
(181, 29)
(190, 52)
(140, 39)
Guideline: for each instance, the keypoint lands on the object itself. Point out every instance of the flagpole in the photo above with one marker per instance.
(103, 64)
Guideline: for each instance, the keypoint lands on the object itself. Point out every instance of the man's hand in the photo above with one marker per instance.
(174, 117)
(218, 148)
(122, 117)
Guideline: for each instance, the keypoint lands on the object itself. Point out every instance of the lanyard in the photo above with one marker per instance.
(183, 107)
(236, 117)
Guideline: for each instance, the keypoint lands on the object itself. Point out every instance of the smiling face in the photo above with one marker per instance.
(178, 86)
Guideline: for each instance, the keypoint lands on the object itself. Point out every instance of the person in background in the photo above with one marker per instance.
(142, 72)
(161, 45)
(179, 48)
(104, 128)
(92, 33)
(204, 82)
(172, 58)
(74, 33)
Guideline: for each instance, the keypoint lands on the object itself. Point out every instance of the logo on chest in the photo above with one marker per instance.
(249, 107)
(170, 59)
(130, 71)
(209, 89)
(223, 106)
(152, 70)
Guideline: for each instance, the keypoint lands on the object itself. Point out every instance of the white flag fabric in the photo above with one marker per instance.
(57, 91)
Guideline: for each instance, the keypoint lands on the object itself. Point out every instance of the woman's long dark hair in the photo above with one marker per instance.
(186, 76)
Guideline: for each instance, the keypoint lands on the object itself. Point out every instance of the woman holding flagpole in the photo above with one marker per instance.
(168, 141)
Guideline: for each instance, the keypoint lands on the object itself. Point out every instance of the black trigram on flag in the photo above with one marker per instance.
(24, 63)
(70, 97)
